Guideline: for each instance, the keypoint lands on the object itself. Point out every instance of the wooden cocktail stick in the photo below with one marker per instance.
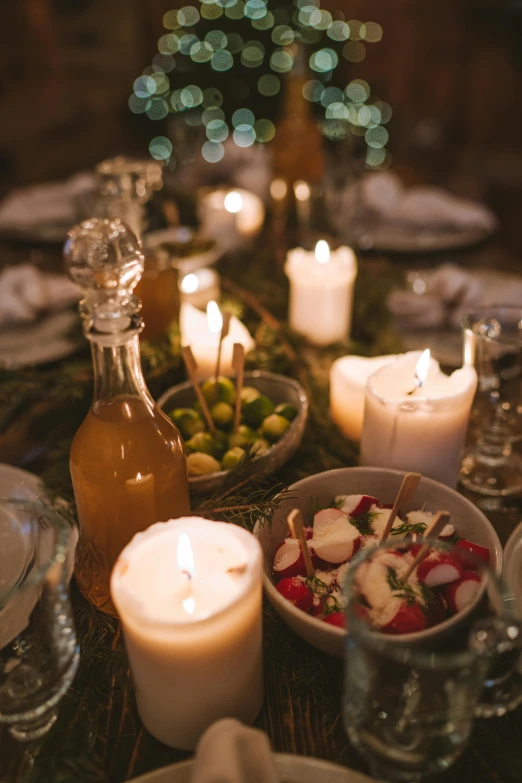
(295, 523)
(404, 495)
(432, 531)
(191, 366)
(223, 334)
(238, 363)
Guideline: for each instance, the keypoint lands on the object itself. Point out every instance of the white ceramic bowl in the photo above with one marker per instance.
(469, 522)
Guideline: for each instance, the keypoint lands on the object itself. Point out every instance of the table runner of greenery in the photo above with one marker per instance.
(98, 736)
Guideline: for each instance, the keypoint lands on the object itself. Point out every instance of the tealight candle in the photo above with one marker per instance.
(348, 377)
(321, 292)
(189, 595)
(226, 211)
(200, 287)
(202, 331)
(415, 417)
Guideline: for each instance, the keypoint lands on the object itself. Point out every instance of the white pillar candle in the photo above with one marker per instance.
(200, 287)
(201, 331)
(321, 292)
(190, 609)
(348, 377)
(231, 215)
(423, 431)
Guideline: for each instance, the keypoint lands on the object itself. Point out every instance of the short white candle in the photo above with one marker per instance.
(191, 614)
(200, 287)
(202, 330)
(225, 211)
(423, 431)
(321, 292)
(348, 377)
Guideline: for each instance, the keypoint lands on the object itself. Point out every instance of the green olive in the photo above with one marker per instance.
(232, 457)
(260, 447)
(222, 414)
(248, 393)
(199, 464)
(188, 421)
(201, 441)
(243, 437)
(257, 410)
(219, 444)
(274, 427)
(222, 391)
(287, 410)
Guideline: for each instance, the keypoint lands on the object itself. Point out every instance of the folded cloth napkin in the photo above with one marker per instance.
(384, 195)
(441, 296)
(26, 292)
(229, 752)
(53, 202)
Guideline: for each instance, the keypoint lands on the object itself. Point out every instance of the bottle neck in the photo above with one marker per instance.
(117, 369)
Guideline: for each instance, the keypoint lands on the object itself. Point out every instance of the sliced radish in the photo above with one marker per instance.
(289, 560)
(354, 505)
(461, 594)
(439, 568)
(335, 538)
(295, 591)
(386, 505)
(327, 516)
(308, 531)
(335, 618)
(447, 533)
(407, 619)
(419, 517)
(479, 551)
(380, 519)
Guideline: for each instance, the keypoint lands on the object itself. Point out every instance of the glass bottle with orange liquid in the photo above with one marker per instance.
(127, 461)
(125, 186)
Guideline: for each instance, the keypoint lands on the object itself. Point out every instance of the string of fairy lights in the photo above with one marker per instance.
(266, 41)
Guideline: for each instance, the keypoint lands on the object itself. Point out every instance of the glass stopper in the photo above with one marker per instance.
(103, 257)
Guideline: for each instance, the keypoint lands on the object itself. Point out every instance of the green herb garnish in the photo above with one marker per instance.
(401, 589)
(364, 522)
(317, 586)
(409, 529)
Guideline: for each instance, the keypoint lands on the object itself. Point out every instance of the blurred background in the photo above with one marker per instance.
(451, 71)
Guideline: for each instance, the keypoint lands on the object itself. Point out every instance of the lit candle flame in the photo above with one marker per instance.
(214, 318)
(322, 252)
(233, 201)
(185, 558)
(422, 367)
(190, 284)
(302, 190)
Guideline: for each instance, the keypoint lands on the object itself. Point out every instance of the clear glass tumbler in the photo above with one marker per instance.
(38, 650)
(493, 345)
(410, 699)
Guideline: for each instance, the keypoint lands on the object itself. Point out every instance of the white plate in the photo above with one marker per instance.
(393, 239)
(292, 769)
(24, 549)
(46, 340)
(513, 569)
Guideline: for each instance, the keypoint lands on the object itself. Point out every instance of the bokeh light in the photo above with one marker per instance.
(268, 84)
(213, 151)
(264, 130)
(160, 148)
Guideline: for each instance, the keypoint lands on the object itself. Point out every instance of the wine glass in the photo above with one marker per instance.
(410, 699)
(38, 650)
(493, 345)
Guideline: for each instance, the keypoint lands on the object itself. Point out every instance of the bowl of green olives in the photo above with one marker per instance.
(274, 410)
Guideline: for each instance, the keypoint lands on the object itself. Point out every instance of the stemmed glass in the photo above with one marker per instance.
(493, 344)
(38, 650)
(410, 699)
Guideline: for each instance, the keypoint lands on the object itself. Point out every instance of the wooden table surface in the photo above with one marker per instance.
(99, 736)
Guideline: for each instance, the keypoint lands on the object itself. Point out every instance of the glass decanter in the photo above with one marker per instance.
(125, 185)
(127, 461)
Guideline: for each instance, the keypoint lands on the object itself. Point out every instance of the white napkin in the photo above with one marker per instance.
(421, 206)
(53, 202)
(229, 752)
(26, 292)
(440, 297)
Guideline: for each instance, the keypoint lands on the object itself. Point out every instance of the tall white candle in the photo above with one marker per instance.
(348, 377)
(189, 595)
(321, 292)
(423, 431)
(201, 331)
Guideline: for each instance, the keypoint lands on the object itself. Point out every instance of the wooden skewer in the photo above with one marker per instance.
(223, 334)
(191, 365)
(238, 363)
(432, 531)
(295, 523)
(404, 495)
